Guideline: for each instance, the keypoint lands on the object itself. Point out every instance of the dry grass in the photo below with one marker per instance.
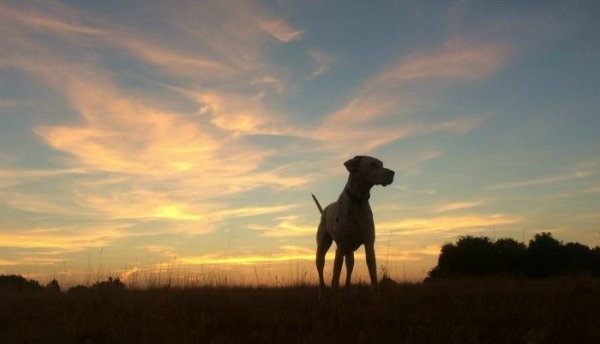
(459, 311)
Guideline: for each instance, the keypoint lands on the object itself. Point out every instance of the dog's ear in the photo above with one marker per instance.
(353, 165)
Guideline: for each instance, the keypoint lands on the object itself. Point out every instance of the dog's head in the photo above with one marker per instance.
(370, 169)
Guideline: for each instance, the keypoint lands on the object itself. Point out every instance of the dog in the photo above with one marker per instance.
(349, 221)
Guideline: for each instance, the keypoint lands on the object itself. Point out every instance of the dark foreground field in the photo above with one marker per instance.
(473, 311)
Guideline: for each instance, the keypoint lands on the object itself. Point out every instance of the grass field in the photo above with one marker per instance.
(456, 311)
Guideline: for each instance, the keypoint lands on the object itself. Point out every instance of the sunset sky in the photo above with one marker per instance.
(140, 135)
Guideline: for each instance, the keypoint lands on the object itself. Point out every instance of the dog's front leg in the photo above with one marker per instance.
(349, 266)
(372, 265)
(337, 268)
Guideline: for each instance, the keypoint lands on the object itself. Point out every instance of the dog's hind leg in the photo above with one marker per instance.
(323, 244)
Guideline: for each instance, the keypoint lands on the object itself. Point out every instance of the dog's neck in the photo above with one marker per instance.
(357, 190)
(355, 197)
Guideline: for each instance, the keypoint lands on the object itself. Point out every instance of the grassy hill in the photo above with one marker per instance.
(447, 311)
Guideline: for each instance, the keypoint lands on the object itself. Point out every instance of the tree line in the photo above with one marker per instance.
(19, 284)
(543, 257)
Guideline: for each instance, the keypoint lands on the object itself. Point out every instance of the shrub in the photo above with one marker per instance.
(544, 257)
(17, 283)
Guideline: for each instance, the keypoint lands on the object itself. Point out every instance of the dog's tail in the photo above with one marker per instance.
(317, 203)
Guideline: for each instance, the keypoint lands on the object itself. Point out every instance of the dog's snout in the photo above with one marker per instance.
(390, 173)
(389, 177)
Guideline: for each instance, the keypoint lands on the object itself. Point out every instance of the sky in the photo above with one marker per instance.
(187, 136)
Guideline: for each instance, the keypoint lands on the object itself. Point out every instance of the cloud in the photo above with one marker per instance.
(253, 211)
(143, 204)
(6, 103)
(458, 59)
(63, 239)
(235, 113)
(541, 181)
(412, 163)
(286, 227)
(37, 203)
(459, 206)
(127, 136)
(234, 33)
(11, 177)
(323, 62)
(182, 63)
(445, 224)
(123, 135)
(8, 262)
(395, 254)
(384, 108)
(203, 42)
(280, 30)
(593, 189)
(283, 254)
(47, 16)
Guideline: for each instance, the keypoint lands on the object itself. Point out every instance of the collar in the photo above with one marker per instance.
(356, 198)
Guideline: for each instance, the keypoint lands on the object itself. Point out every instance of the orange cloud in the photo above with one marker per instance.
(393, 94)
(280, 30)
(8, 262)
(459, 206)
(63, 239)
(286, 227)
(299, 254)
(457, 59)
(442, 224)
(396, 254)
(47, 16)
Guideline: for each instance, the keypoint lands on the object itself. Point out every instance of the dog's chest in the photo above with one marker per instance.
(352, 223)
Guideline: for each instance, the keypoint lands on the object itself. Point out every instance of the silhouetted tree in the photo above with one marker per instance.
(510, 256)
(578, 258)
(545, 256)
(17, 283)
(595, 268)
(78, 289)
(476, 255)
(53, 286)
(471, 256)
(447, 262)
(109, 285)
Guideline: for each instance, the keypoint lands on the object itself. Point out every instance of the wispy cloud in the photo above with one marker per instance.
(280, 30)
(37, 203)
(459, 206)
(283, 254)
(412, 164)
(8, 262)
(6, 103)
(458, 59)
(542, 181)
(409, 86)
(48, 16)
(323, 62)
(286, 227)
(126, 146)
(254, 211)
(11, 177)
(63, 239)
(394, 254)
(446, 224)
